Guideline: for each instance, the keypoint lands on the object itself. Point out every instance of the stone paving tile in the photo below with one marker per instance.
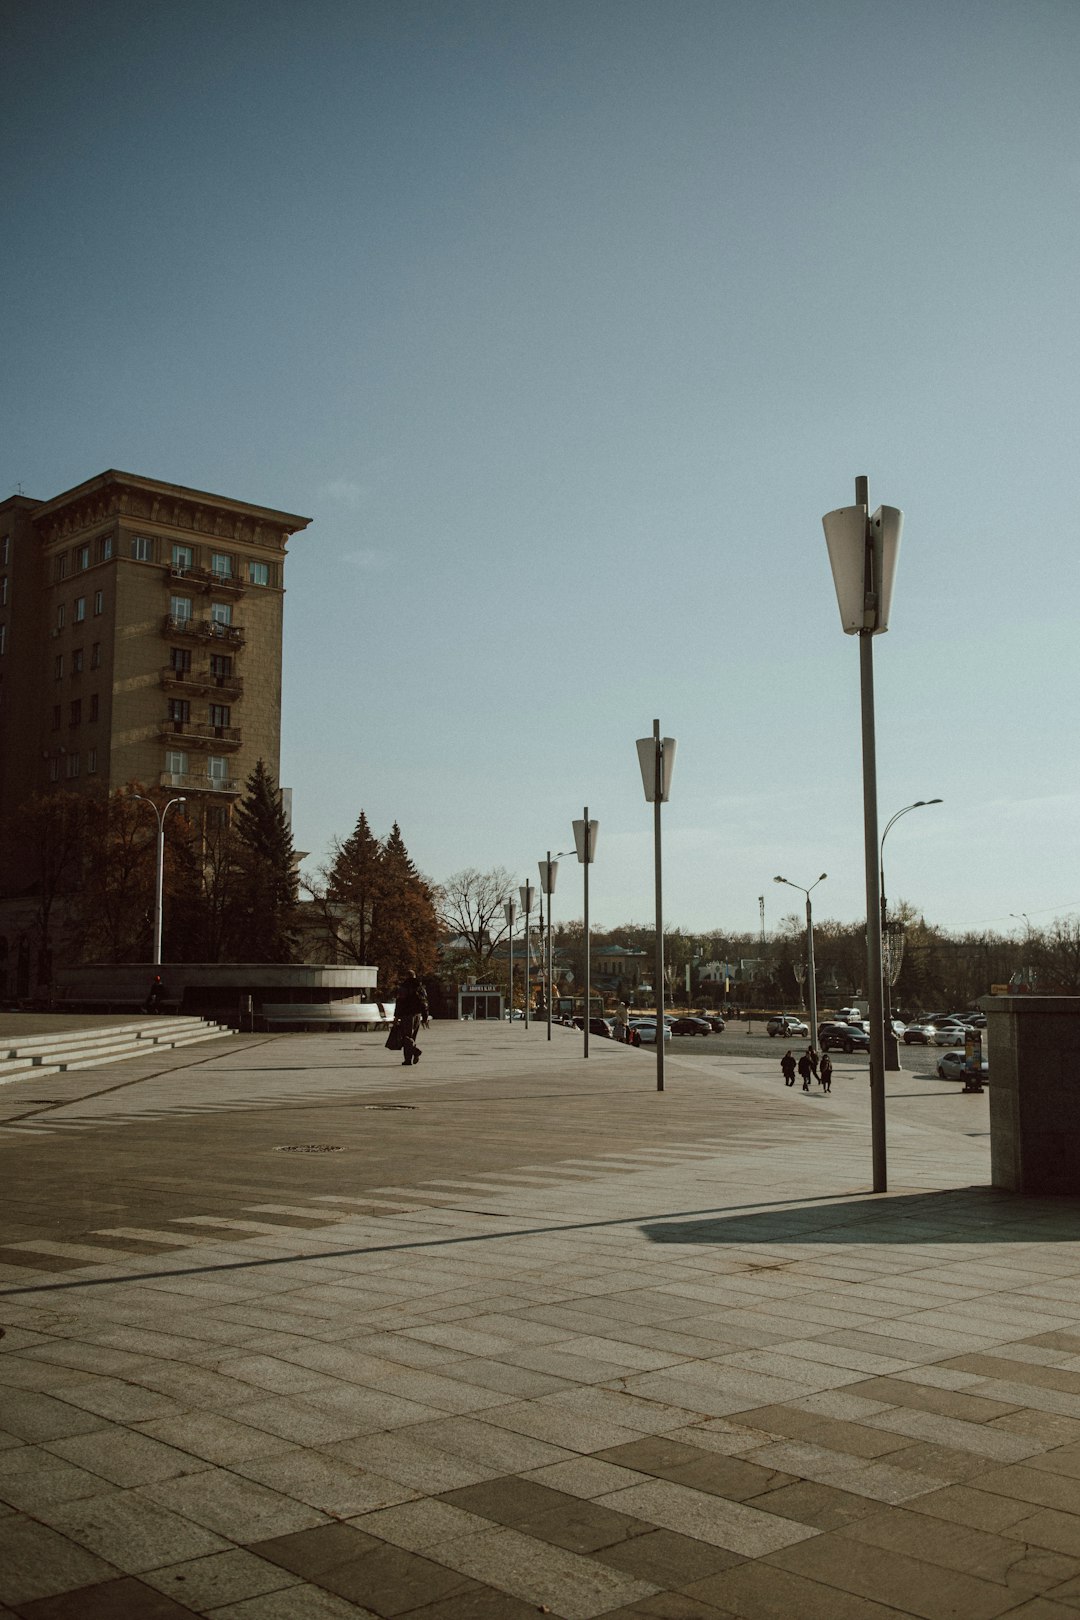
(585, 1476)
(824, 1507)
(575, 1587)
(993, 1557)
(568, 1430)
(238, 1508)
(214, 1438)
(913, 1585)
(476, 1441)
(37, 1561)
(297, 1603)
(1049, 1528)
(36, 1418)
(976, 1437)
(355, 1567)
(123, 1599)
(30, 1477)
(706, 1517)
(125, 1457)
(331, 1484)
(227, 1577)
(876, 1479)
(762, 1592)
(419, 1467)
(132, 1533)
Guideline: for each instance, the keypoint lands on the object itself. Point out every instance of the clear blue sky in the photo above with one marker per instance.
(565, 321)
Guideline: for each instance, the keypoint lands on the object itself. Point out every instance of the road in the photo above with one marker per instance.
(737, 1042)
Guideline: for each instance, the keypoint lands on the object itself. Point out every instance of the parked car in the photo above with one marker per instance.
(691, 1026)
(948, 1033)
(787, 1024)
(514, 1013)
(846, 1015)
(717, 1023)
(920, 1035)
(597, 1026)
(844, 1038)
(953, 1066)
(645, 1029)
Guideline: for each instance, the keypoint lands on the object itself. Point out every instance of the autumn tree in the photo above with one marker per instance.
(406, 921)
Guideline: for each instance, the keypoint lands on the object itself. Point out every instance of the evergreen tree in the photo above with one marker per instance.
(406, 932)
(353, 890)
(262, 921)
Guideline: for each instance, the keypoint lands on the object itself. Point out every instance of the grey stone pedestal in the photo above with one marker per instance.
(1033, 1044)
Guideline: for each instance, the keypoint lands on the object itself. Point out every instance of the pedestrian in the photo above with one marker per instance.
(154, 995)
(825, 1072)
(622, 1014)
(811, 1056)
(410, 1011)
(787, 1065)
(804, 1070)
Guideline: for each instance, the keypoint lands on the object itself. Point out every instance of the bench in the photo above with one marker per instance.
(354, 1015)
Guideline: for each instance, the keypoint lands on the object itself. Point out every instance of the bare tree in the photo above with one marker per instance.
(471, 910)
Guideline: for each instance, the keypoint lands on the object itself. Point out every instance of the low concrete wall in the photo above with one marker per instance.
(220, 989)
(1034, 1045)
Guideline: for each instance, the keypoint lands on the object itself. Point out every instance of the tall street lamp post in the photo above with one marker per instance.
(656, 757)
(528, 894)
(510, 912)
(159, 878)
(585, 832)
(863, 551)
(811, 974)
(892, 1054)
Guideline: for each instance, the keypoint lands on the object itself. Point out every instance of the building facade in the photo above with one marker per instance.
(140, 641)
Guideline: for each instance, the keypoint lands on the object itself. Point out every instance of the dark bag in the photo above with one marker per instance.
(396, 1038)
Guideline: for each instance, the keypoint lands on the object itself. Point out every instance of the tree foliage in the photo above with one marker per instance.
(377, 907)
(261, 922)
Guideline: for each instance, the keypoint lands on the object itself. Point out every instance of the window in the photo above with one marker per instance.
(258, 573)
(93, 706)
(221, 565)
(91, 762)
(80, 609)
(221, 612)
(82, 557)
(5, 548)
(99, 604)
(95, 655)
(75, 718)
(182, 556)
(220, 665)
(180, 608)
(176, 762)
(105, 547)
(58, 666)
(180, 660)
(217, 769)
(179, 710)
(77, 661)
(60, 566)
(73, 765)
(3, 591)
(142, 548)
(3, 639)
(61, 614)
(219, 714)
(56, 717)
(54, 770)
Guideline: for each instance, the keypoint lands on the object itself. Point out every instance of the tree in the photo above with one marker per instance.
(406, 922)
(47, 831)
(349, 895)
(471, 910)
(262, 923)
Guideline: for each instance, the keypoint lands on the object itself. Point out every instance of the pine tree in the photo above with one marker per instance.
(354, 887)
(406, 932)
(262, 923)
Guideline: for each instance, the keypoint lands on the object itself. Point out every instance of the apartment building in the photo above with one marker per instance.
(140, 640)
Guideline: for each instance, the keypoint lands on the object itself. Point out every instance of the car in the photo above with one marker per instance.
(948, 1033)
(920, 1035)
(691, 1026)
(717, 1023)
(514, 1013)
(844, 1038)
(846, 1015)
(597, 1026)
(954, 1066)
(787, 1024)
(645, 1030)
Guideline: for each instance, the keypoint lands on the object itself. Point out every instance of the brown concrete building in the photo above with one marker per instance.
(140, 640)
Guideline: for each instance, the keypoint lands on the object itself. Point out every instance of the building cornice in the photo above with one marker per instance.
(148, 501)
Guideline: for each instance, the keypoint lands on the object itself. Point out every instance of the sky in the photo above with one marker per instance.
(565, 321)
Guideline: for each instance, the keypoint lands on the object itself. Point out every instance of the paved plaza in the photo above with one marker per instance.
(292, 1335)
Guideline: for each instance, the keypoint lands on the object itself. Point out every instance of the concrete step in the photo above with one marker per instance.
(145, 1028)
(112, 1045)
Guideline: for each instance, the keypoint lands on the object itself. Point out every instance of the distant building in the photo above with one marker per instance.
(619, 967)
(140, 640)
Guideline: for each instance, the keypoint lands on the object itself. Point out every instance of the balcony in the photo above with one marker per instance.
(203, 630)
(201, 682)
(204, 579)
(193, 782)
(200, 734)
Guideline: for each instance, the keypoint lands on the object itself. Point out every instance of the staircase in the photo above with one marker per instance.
(84, 1048)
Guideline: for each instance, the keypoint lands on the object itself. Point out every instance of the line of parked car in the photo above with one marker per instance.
(852, 1033)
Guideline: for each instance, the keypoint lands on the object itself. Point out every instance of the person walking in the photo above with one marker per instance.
(804, 1070)
(811, 1058)
(825, 1072)
(787, 1065)
(410, 1011)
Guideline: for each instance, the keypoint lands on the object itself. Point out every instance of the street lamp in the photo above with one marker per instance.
(892, 1057)
(585, 832)
(863, 551)
(656, 757)
(528, 895)
(510, 912)
(549, 871)
(811, 975)
(159, 881)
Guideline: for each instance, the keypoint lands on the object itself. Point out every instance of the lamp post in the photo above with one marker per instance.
(863, 551)
(585, 832)
(656, 757)
(510, 912)
(528, 894)
(159, 879)
(811, 974)
(549, 871)
(892, 1055)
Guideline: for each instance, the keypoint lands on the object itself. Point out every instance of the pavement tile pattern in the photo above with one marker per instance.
(532, 1339)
